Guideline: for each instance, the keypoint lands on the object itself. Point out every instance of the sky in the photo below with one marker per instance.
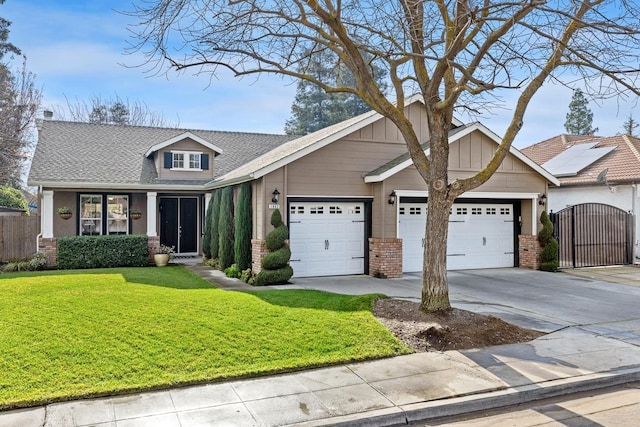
(76, 49)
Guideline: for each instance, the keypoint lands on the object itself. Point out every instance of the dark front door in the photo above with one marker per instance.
(179, 223)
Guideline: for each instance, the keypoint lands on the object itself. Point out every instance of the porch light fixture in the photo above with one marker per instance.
(275, 194)
(543, 200)
(392, 197)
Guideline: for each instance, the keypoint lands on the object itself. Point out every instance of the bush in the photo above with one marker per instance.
(275, 240)
(246, 276)
(275, 268)
(232, 271)
(274, 277)
(102, 251)
(549, 253)
(13, 198)
(213, 263)
(277, 259)
(36, 262)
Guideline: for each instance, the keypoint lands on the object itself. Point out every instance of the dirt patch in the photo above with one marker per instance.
(452, 330)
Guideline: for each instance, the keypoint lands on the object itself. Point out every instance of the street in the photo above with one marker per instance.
(619, 407)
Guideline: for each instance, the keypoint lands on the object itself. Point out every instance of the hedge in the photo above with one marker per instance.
(76, 252)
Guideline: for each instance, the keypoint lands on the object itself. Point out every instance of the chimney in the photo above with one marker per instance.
(48, 114)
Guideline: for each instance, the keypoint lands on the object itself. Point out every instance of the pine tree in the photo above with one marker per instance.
(630, 126)
(243, 228)
(313, 108)
(225, 228)
(579, 118)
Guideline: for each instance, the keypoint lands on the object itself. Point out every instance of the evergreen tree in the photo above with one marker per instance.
(215, 233)
(243, 228)
(313, 108)
(225, 228)
(579, 118)
(206, 238)
(630, 126)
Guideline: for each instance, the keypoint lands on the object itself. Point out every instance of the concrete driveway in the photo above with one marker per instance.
(528, 298)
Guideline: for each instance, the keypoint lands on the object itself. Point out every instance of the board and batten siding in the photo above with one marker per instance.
(186, 144)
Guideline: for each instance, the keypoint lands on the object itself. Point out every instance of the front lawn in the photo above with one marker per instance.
(68, 334)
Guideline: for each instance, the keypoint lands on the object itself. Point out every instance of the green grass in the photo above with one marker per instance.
(69, 334)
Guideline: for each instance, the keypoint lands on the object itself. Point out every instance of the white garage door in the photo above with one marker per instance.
(326, 238)
(480, 236)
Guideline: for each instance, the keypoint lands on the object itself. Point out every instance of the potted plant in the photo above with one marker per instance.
(162, 255)
(135, 213)
(64, 212)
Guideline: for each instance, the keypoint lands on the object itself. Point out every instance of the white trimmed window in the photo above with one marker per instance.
(186, 160)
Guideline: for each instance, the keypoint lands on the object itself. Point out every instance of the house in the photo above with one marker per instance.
(592, 169)
(349, 193)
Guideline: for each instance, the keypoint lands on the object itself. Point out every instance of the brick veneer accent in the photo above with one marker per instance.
(385, 257)
(153, 244)
(49, 247)
(258, 251)
(529, 251)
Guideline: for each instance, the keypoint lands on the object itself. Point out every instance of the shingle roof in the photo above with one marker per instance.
(623, 163)
(86, 153)
(298, 146)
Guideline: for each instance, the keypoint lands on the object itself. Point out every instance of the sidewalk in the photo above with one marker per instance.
(389, 392)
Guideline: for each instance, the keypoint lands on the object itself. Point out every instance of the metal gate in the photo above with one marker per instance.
(593, 234)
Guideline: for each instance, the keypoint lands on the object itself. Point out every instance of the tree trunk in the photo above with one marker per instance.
(435, 288)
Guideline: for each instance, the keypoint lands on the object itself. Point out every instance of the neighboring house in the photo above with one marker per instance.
(349, 193)
(4, 211)
(592, 169)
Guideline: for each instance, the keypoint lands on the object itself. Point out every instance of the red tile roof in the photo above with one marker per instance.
(623, 163)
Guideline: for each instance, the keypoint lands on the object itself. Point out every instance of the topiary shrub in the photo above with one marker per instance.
(277, 259)
(549, 254)
(275, 265)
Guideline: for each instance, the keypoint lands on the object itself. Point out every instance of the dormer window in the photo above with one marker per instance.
(180, 160)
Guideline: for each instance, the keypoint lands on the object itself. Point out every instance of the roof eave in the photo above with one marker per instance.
(114, 186)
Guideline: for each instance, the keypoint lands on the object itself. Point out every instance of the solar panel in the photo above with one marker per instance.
(574, 159)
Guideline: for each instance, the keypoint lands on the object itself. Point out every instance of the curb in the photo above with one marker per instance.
(477, 403)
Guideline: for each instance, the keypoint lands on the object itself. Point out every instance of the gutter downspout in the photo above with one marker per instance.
(40, 212)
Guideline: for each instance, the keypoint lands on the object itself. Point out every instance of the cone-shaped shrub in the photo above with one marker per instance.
(275, 265)
(215, 234)
(225, 228)
(549, 253)
(243, 228)
(206, 238)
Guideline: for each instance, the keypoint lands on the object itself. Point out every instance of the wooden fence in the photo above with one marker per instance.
(18, 237)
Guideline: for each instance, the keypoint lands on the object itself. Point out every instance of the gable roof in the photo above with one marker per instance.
(404, 161)
(186, 135)
(622, 157)
(92, 155)
(300, 147)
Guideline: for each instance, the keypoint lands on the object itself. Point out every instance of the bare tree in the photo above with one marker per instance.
(453, 53)
(113, 110)
(19, 101)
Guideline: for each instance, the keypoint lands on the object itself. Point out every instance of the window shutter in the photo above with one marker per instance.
(204, 161)
(168, 160)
